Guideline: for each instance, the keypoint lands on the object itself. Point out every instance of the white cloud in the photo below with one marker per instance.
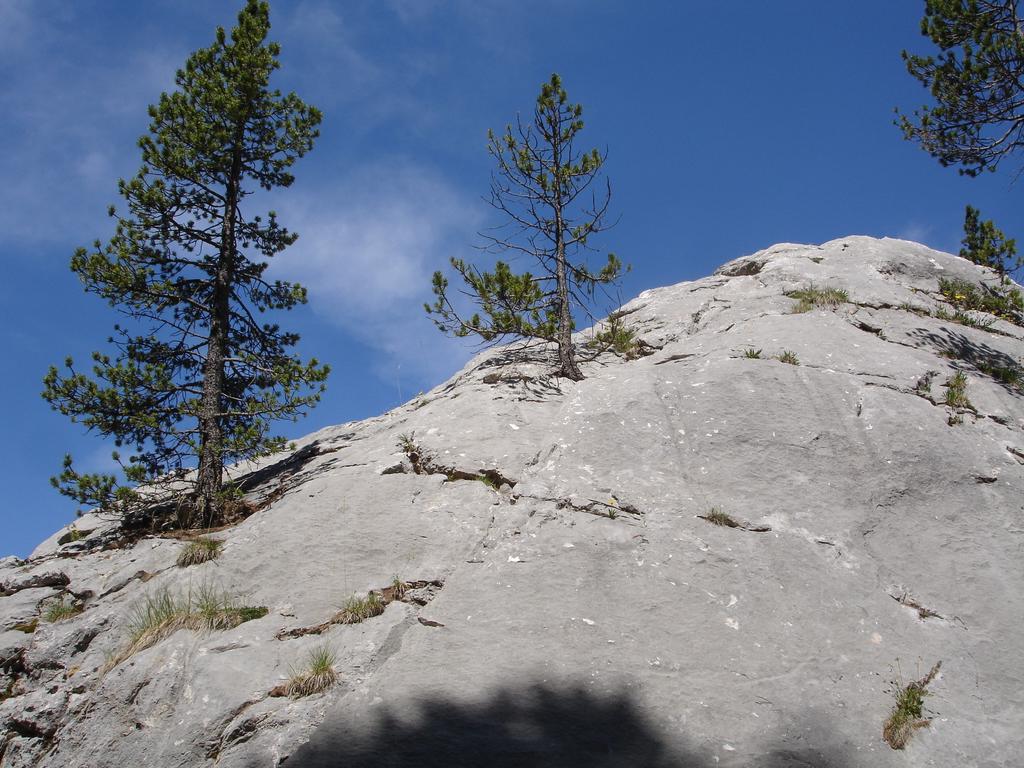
(14, 23)
(915, 231)
(368, 246)
(69, 120)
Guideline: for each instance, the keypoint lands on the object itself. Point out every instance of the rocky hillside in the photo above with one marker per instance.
(735, 543)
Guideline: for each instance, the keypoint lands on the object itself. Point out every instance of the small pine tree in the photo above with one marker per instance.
(540, 187)
(197, 379)
(986, 245)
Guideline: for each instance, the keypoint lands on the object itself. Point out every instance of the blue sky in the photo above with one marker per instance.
(729, 126)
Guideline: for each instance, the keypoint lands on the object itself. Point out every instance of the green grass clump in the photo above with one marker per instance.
(956, 391)
(200, 550)
(813, 297)
(162, 613)
(317, 675)
(358, 609)
(956, 397)
(61, 609)
(963, 318)
(1010, 375)
(1003, 302)
(752, 354)
(252, 612)
(908, 712)
(788, 357)
(718, 517)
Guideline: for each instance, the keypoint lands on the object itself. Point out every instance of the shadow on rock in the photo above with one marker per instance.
(532, 726)
(1000, 366)
(535, 726)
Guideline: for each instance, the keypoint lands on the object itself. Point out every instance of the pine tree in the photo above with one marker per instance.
(977, 81)
(985, 244)
(196, 376)
(542, 188)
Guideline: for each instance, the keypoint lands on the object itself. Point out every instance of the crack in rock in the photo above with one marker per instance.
(902, 596)
(56, 579)
(727, 521)
(592, 507)
(412, 592)
(423, 463)
(241, 733)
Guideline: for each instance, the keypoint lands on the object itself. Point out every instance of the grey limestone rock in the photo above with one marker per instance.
(570, 601)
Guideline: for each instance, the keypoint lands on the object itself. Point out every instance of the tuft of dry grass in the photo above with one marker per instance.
(813, 297)
(317, 675)
(28, 627)
(718, 517)
(788, 357)
(61, 609)
(199, 550)
(358, 609)
(398, 588)
(908, 712)
(162, 613)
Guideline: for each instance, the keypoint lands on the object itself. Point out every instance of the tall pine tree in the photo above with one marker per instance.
(542, 188)
(196, 376)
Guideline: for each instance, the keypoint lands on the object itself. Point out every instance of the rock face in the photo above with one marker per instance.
(551, 587)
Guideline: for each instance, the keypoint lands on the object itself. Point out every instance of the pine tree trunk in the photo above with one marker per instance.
(566, 353)
(211, 459)
(208, 498)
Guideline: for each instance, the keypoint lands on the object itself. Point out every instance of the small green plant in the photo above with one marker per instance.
(908, 712)
(956, 391)
(61, 609)
(619, 337)
(812, 297)
(407, 443)
(788, 357)
(162, 613)
(489, 481)
(251, 612)
(199, 550)
(358, 609)
(317, 675)
(752, 354)
(956, 397)
(718, 517)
